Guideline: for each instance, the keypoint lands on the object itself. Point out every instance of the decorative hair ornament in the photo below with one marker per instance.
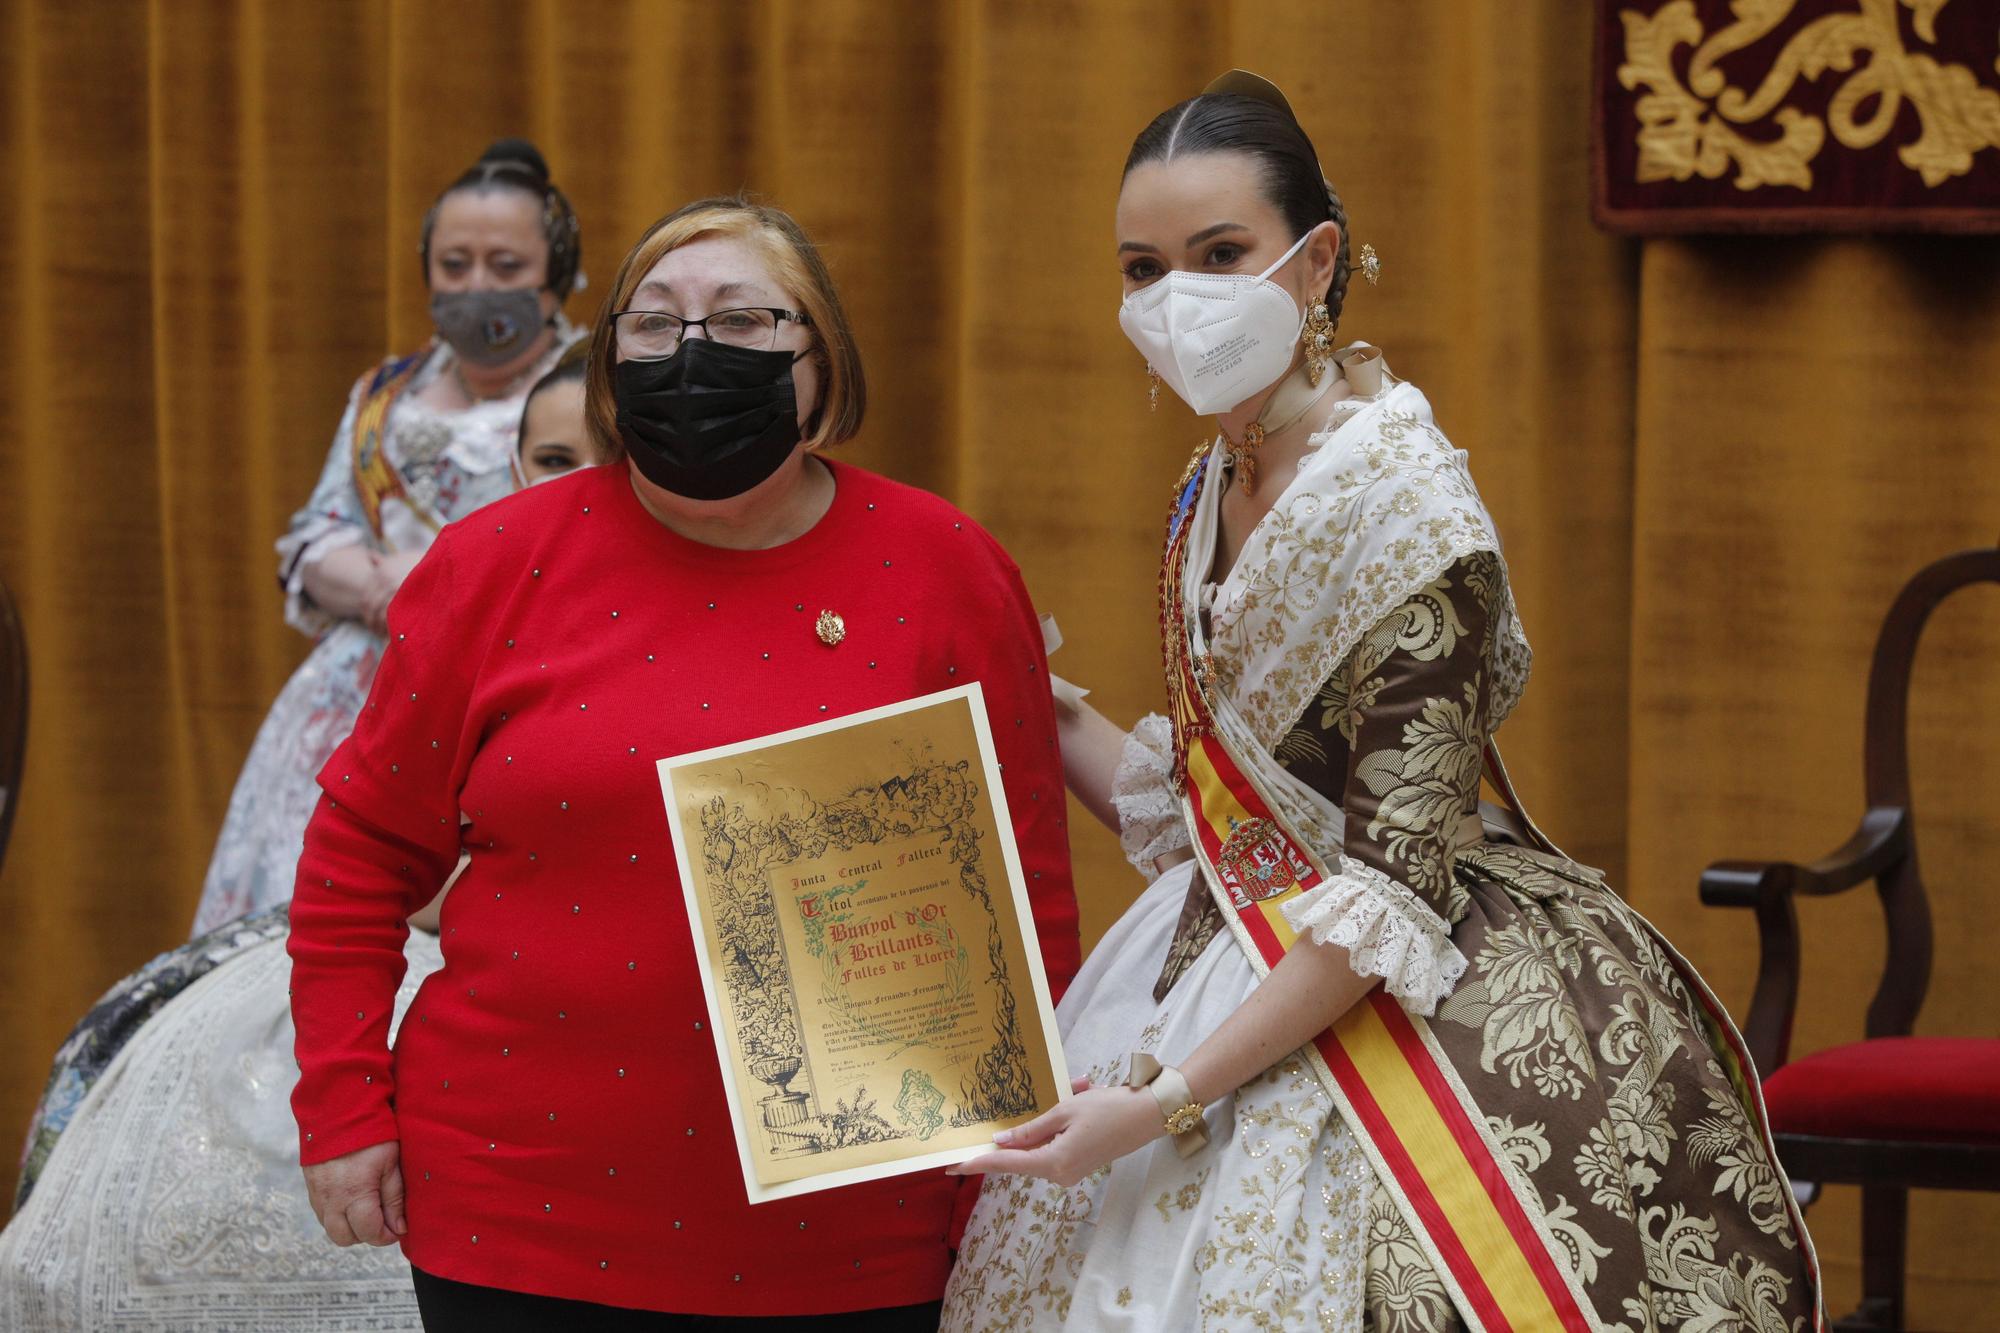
(1242, 83)
(1370, 264)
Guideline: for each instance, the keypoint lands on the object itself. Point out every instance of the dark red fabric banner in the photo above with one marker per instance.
(1817, 115)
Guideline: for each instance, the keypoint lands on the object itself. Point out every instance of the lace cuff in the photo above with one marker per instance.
(1387, 932)
(1142, 792)
(308, 544)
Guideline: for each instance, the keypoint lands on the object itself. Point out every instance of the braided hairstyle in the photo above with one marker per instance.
(516, 164)
(1233, 123)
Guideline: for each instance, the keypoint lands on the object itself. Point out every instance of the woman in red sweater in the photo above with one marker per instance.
(550, 1141)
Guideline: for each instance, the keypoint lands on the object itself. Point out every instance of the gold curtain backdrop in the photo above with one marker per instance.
(1713, 460)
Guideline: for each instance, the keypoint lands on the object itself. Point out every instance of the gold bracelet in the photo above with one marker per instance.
(1181, 1112)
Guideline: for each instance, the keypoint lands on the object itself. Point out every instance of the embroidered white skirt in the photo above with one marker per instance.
(1263, 1229)
(174, 1199)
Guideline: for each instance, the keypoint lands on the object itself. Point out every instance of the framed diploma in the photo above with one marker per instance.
(873, 979)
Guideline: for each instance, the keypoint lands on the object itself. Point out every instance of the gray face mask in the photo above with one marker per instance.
(488, 328)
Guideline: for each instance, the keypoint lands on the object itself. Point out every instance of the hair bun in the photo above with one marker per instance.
(518, 152)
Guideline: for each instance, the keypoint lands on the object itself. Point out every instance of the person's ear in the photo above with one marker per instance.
(1321, 252)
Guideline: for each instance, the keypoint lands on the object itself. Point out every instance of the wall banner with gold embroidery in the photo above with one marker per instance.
(1797, 115)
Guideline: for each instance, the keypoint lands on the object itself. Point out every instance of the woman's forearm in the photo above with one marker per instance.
(1091, 746)
(344, 582)
(1309, 989)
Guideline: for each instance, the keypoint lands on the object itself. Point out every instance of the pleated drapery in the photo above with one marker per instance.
(1713, 460)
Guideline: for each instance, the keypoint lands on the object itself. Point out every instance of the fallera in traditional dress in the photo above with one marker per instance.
(1540, 1118)
(398, 471)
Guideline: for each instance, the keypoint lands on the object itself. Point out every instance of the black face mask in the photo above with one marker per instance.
(709, 422)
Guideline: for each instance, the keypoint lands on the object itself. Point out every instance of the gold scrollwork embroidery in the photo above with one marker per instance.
(1686, 129)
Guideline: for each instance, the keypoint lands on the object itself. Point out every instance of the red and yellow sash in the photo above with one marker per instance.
(1426, 1137)
(375, 477)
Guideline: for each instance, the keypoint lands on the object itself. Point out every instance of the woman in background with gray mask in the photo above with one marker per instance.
(427, 438)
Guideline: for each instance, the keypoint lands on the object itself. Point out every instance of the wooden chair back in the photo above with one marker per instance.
(1882, 849)
(1886, 779)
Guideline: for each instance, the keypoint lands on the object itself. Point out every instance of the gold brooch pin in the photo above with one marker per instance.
(832, 629)
(1371, 265)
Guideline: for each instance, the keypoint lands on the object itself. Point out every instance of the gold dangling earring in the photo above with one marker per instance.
(1318, 340)
(1152, 388)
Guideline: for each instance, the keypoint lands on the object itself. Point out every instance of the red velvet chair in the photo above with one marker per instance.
(13, 713)
(1892, 1112)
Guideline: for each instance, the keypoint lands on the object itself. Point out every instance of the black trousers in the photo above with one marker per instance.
(449, 1307)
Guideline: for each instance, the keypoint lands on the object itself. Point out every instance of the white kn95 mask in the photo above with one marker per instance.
(1215, 338)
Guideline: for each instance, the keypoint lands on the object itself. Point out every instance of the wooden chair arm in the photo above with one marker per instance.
(1882, 839)
(1767, 888)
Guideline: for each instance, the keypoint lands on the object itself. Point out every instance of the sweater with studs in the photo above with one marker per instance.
(561, 1115)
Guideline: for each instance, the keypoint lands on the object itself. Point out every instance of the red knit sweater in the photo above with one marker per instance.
(561, 1114)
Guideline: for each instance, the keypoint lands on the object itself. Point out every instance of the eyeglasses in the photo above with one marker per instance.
(649, 335)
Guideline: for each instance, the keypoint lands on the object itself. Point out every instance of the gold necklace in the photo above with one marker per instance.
(1241, 458)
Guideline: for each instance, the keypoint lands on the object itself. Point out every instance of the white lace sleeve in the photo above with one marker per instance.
(1387, 931)
(1142, 791)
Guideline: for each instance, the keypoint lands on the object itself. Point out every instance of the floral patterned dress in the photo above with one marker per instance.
(1574, 1026)
(448, 464)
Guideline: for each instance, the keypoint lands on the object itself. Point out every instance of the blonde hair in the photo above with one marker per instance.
(793, 259)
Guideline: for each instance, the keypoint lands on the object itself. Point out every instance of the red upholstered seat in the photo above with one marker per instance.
(1911, 1089)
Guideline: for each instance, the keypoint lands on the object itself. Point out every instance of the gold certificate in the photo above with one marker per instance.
(874, 984)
